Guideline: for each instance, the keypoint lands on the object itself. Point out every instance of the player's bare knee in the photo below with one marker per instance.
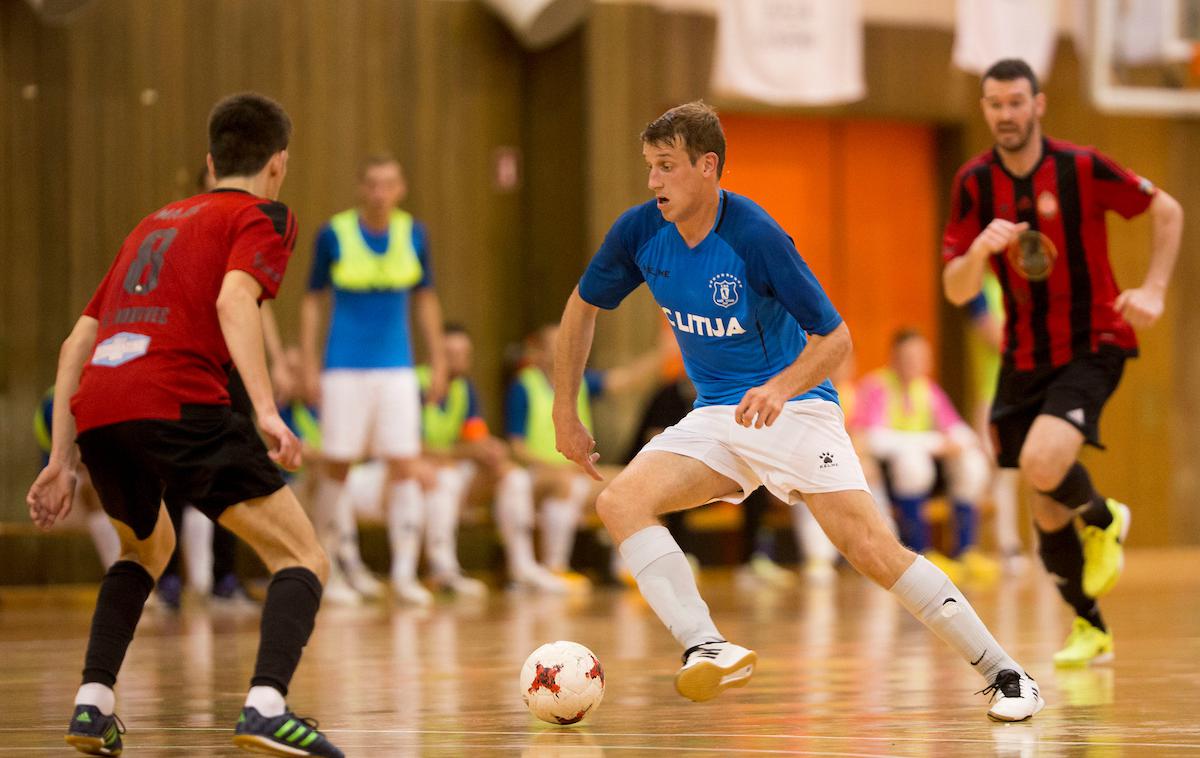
(317, 561)
(1041, 470)
(608, 506)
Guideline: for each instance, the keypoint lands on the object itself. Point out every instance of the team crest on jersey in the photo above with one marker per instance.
(120, 348)
(725, 289)
(1047, 205)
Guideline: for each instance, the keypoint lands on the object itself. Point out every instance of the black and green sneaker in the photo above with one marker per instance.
(281, 735)
(91, 732)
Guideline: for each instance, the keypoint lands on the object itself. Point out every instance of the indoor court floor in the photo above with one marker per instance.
(843, 672)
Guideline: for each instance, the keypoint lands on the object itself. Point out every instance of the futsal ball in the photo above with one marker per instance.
(561, 682)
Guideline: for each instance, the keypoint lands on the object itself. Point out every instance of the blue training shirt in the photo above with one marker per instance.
(367, 329)
(740, 302)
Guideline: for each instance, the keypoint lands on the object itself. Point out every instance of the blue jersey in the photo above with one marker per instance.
(516, 403)
(740, 302)
(367, 329)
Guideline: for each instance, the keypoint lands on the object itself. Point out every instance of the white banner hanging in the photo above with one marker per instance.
(989, 30)
(790, 52)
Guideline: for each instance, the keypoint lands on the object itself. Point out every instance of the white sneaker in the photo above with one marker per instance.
(412, 592)
(1016, 696)
(461, 585)
(540, 579)
(710, 667)
(339, 592)
(364, 582)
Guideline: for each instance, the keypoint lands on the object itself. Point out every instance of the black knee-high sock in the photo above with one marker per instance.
(224, 547)
(753, 509)
(1077, 493)
(1062, 554)
(123, 593)
(175, 511)
(289, 612)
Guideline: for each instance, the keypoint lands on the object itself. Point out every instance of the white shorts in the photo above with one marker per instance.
(370, 412)
(806, 450)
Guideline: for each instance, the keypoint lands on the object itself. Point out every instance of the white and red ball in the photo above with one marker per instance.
(562, 682)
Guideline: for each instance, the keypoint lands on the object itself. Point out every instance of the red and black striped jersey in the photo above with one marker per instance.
(1070, 312)
(159, 343)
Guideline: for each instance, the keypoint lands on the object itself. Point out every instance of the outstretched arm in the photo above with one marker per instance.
(50, 497)
(575, 333)
(1143, 305)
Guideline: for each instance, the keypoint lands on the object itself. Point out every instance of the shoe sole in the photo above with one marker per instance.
(255, 743)
(1041, 703)
(1126, 518)
(706, 680)
(89, 745)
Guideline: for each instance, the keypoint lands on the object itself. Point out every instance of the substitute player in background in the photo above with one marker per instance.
(375, 259)
(1033, 209)
(142, 380)
(758, 337)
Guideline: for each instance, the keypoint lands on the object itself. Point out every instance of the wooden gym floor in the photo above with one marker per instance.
(843, 672)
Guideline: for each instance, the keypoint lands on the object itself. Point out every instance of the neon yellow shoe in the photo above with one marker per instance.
(1104, 551)
(979, 567)
(1086, 645)
(952, 568)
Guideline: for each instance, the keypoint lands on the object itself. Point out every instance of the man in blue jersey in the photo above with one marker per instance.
(375, 258)
(759, 338)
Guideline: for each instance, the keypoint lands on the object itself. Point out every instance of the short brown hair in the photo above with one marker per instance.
(244, 131)
(1010, 70)
(696, 125)
(376, 159)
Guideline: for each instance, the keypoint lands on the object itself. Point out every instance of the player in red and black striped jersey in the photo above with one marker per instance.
(148, 367)
(1033, 209)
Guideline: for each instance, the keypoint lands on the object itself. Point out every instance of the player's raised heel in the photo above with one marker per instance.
(93, 733)
(1015, 696)
(282, 735)
(712, 667)
(1104, 551)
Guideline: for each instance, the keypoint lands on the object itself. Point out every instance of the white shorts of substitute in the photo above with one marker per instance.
(806, 450)
(370, 412)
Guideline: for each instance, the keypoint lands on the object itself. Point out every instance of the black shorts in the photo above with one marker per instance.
(1075, 392)
(211, 458)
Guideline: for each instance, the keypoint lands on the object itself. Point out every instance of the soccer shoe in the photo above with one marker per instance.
(1085, 645)
(338, 591)
(460, 585)
(953, 570)
(575, 581)
(710, 667)
(228, 592)
(412, 592)
(281, 735)
(1015, 696)
(364, 582)
(1104, 551)
(170, 591)
(540, 579)
(771, 573)
(93, 733)
(979, 567)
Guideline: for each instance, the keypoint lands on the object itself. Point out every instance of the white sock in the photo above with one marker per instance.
(104, 537)
(926, 592)
(441, 523)
(405, 511)
(266, 700)
(810, 537)
(196, 536)
(346, 525)
(514, 518)
(325, 511)
(1004, 497)
(99, 695)
(666, 581)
